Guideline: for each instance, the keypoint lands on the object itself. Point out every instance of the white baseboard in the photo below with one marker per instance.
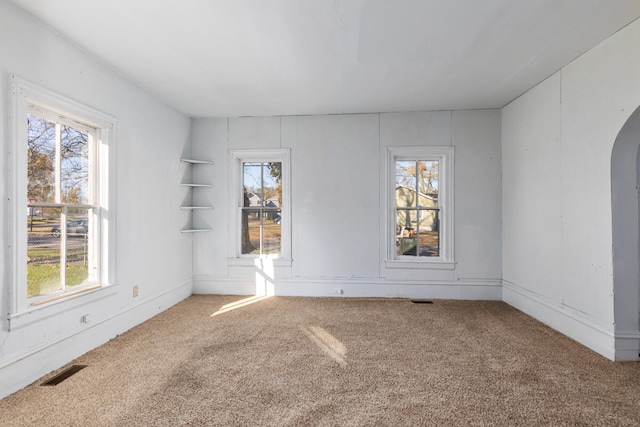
(593, 333)
(467, 290)
(627, 345)
(39, 361)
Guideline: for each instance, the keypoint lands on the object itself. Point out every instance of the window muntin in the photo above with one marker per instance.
(261, 228)
(62, 251)
(417, 209)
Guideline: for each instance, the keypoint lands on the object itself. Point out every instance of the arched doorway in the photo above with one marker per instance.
(625, 211)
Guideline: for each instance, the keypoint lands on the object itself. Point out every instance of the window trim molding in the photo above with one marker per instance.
(23, 94)
(445, 154)
(237, 157)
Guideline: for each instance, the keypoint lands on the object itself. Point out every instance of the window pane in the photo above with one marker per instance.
(41, 153)
(74, 166)
(78, 260)
(250, 231)
(43, 251)
(428, 177)
(429, 234)
(417, 232)
(406, 174)
(252, 182)
(272, 184)
(407, 229)
(272, 232)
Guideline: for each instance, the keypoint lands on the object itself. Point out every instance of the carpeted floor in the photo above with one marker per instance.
(212, 360)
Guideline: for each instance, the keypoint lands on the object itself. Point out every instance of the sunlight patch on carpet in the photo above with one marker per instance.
(240, 303)
(329, 344)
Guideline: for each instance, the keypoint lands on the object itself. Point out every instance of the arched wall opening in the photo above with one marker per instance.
(625, 211)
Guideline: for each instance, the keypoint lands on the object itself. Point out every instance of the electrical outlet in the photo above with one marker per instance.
(339, 291)
(135, 291)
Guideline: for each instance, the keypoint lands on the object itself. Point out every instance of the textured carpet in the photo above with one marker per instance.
(221, 360)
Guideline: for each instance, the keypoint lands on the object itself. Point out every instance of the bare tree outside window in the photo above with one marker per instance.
(41, 140)
(74, 165)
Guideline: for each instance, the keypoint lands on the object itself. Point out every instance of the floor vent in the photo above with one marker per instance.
(64, 375)
(422, 301)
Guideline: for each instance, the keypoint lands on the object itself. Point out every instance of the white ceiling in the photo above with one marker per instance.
(282, 57)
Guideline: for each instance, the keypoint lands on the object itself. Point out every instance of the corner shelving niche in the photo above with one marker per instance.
(193, 209)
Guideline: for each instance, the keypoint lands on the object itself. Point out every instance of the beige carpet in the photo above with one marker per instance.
(335, 361)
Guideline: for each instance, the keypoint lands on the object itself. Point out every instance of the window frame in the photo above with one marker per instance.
(444, 155)
(25, 98)
(236, 202)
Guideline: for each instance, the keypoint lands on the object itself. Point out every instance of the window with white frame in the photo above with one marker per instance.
(261, 204)
(60, 153)
(420, 207)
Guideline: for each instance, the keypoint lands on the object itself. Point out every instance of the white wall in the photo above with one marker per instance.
(557, 143)
(151, 252)
(338, 198)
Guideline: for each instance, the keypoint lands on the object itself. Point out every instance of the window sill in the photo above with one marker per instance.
(65, 295)
(44, 309)
(420, 265)
(258, 262)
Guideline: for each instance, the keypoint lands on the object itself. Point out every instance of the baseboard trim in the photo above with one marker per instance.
(627, 345)
(312, 287)
(587, 330)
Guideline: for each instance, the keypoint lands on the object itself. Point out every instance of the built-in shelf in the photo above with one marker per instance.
(197, 162)
(192, 185)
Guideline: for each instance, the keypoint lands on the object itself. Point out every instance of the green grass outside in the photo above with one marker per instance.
(46, 277)
(48, 252)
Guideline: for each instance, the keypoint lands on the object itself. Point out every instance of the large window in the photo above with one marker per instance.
(62, 221)
(261, 232)
(260, 180)
(417, 207)
(62, 208)
(420, 208)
